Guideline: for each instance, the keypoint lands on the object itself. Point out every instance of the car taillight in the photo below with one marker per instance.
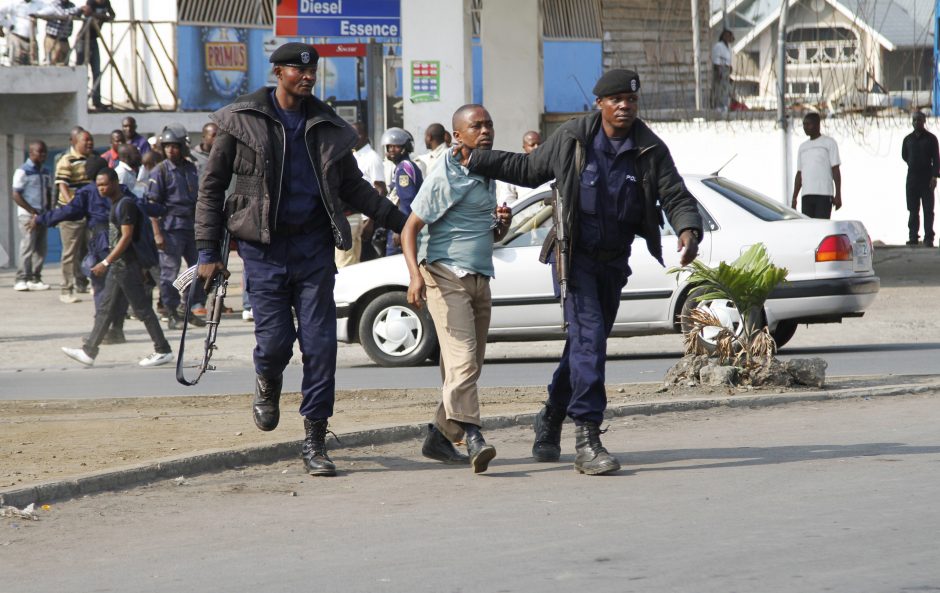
(834, 248)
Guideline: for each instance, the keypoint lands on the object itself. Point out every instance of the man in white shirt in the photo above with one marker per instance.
(370, 163)
(32, 192)
(508, 193)
(128, 168)
(20, 18)
(435, 140)
(721, 71)
(817, 171)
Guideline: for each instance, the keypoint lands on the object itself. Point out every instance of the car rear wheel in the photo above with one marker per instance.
(784, 332)
(395, 334)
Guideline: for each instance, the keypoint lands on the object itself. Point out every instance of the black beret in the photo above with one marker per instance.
(295, 54)
(614, 82)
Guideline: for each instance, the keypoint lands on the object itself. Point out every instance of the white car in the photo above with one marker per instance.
(829, 262)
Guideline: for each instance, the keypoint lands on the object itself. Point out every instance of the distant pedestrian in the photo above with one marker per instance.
(129, 125)
(58, 31)
(128, 167)
(86, 47)
(111, 155)
(199, 154)
(435, 140)
(722, 59)
(920, 152)
(508, 193)
(448, 245)
(370, 163)
(817, 172)
(32, 192)
(70, 176)
(124, 277)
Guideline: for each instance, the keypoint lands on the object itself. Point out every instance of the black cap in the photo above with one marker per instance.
(296, 54)
(614, 82)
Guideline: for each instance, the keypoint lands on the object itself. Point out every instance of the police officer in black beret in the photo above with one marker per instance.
(616, 179)
(291, 158)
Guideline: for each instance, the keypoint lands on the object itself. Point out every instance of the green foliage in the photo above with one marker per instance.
(747, 282)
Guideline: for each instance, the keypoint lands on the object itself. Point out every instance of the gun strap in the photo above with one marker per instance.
(187, 306)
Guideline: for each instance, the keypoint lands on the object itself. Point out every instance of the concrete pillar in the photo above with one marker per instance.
(513, 87)
(436, 30)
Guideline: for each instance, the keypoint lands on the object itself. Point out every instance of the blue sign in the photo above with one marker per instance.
(338, 18)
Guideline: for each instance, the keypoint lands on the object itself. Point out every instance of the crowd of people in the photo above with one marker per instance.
(110, 208)
(19, 25)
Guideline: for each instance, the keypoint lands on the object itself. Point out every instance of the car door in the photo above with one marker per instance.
(524, 301)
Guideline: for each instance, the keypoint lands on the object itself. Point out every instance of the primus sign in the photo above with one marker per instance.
(338, 18)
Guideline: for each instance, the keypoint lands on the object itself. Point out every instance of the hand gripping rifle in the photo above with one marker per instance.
(186, 284)
(561, 250)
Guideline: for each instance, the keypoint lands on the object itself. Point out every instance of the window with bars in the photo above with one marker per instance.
(227, 12)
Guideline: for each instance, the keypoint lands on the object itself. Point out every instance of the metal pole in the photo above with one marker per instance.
(781, 98)
(696, 54)
(135, 74)
(376, 91)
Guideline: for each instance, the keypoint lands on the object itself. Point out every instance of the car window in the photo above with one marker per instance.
(708, 223)
(530, 223)
(757, 204)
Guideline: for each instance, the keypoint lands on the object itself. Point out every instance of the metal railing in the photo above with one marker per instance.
(133, 66)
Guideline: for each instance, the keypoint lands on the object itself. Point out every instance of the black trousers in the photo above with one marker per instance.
(125, 278)
(816, 206)
(920, 196)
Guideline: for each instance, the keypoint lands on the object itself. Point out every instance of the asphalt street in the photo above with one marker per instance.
(123, 380)
(837, 497)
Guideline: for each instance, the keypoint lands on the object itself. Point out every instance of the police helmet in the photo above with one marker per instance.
(398, 137)
(174, 134)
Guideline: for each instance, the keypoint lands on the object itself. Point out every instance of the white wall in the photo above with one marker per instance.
(513, 90)
(873, 174)
(436, 30)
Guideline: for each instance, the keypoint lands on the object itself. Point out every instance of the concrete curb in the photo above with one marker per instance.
(213, 461)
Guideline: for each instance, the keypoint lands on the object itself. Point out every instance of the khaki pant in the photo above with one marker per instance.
(74, 246)
(347, 258)
(22, 51)
(57, 50)
(460, 308)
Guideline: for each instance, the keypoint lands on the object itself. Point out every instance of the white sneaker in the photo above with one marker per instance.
(40, 285)
(247, 315)
(20, 286)
(79, 355)
(156, 359)
(69, 298)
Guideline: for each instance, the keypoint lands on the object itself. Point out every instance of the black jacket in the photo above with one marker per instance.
(250, 146)
(562, 157)
(922, 155)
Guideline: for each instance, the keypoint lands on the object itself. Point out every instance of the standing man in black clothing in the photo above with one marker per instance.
(922, 156)
(616, 179)
(295, 175)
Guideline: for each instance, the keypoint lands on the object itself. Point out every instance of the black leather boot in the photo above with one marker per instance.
(317, 462)
(265, 405)
(439, 448)
(194, 320)
(548, 421)
(592, 458)
(480, 453)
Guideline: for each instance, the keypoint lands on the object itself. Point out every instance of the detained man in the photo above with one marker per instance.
(448, 246)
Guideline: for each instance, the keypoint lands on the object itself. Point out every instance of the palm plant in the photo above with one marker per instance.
(747, 283)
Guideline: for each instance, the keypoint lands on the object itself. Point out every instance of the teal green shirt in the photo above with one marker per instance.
(458, 208)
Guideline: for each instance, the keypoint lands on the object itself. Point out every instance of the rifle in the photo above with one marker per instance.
(561, 251)
(186, 284)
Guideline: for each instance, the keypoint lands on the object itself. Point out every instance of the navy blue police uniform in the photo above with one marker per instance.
(406, 181)
(296, 270)
(172, 193)
(611, 211)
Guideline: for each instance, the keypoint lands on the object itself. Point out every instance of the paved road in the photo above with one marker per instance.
(123, 380)
(838, 497)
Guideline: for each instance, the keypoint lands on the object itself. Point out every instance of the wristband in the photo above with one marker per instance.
(105, 262)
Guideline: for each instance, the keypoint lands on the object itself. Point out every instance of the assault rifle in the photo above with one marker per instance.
(186, 283)
(561, 251)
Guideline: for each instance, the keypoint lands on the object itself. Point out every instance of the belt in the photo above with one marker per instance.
(100, 228)
(17, 35)
(289, 230)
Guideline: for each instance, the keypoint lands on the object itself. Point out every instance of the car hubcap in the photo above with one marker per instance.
(397, 331)
(726, 313)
